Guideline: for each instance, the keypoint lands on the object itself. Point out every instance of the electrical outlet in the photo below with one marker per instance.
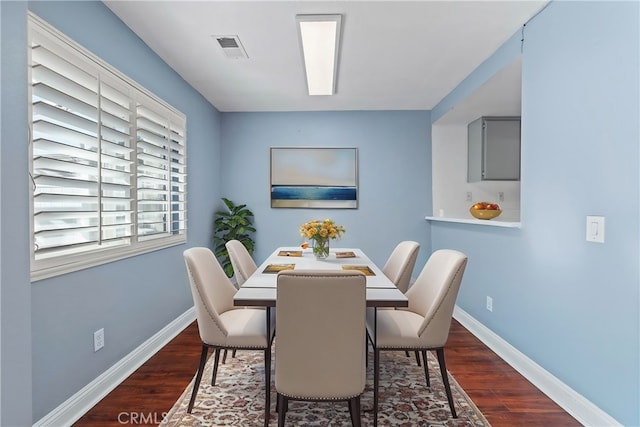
(500, 196)
(489, 303)
(469, 196)
(98, 339)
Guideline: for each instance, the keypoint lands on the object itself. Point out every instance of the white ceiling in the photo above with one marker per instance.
(501, 95)
(395, 55)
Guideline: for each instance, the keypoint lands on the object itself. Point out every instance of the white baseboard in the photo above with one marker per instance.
(568, 399)
(571, 401)
(77, 405)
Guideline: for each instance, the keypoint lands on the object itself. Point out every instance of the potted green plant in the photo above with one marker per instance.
(234, 224)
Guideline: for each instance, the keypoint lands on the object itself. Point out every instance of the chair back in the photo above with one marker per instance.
(320, 342)
(241, 261)
(399, 265)
(434, 293)
(212, 293)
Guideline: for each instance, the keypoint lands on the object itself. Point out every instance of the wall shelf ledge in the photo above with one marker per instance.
(491, 222)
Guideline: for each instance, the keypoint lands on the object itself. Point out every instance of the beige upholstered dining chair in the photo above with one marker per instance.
(221, 325)
(424, 324)
(319, 312)
(241, 261)
(399, 268)
(399, 265)
(243, 267)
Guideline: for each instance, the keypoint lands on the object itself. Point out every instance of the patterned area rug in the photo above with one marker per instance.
(405, 400)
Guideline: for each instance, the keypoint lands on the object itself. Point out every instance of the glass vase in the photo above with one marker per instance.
(321, 248)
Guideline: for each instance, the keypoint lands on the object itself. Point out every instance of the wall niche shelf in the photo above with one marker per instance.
(497, 100)
(489, 222)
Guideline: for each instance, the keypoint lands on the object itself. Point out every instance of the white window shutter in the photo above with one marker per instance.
(108, 160)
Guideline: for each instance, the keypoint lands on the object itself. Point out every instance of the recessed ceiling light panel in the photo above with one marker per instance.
(320, 41)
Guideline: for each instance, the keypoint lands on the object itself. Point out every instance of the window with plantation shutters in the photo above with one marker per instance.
(108, 163)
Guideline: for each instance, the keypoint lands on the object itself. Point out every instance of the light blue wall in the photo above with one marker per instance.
(48, 325)
(571, 306)
(394, 151)
(14, 279)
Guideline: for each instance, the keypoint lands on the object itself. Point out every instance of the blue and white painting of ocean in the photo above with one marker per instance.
(313, 197)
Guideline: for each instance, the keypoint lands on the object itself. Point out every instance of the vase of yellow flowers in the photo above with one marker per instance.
(321, 248)
(320, 232)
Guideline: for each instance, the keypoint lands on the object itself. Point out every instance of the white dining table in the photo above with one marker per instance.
(260, 288)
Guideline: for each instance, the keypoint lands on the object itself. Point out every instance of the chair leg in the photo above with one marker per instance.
(282, 403)
(418, 358)
(196, 383)
(445, 380)
(376, 380)
(216, 362)
(267, 386)
(224, 356)
(369, 340)
(354, 410)
(366, 351)
(426, 367)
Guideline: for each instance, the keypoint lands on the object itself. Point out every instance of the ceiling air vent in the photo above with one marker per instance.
(231, 47)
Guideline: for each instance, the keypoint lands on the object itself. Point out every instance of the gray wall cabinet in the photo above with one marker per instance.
(494, 149)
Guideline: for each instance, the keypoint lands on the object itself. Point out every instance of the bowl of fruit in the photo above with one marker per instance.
(485, 210)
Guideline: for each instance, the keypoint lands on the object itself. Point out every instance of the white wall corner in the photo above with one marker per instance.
(568, 399)
(80, 403)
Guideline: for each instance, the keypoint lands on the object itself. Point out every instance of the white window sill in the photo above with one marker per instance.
(489, 222)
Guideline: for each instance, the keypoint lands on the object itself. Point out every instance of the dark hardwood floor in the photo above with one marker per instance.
(501, 393)
(504, 396)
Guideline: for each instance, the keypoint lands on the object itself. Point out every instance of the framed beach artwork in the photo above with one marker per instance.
(304, 177)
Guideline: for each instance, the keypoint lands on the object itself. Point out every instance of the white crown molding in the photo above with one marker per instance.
(77, 405)
(568, 399)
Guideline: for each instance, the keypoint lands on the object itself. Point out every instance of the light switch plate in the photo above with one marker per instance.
(595, 229)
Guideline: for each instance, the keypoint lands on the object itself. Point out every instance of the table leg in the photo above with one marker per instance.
(267, 371)
(376, 366)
